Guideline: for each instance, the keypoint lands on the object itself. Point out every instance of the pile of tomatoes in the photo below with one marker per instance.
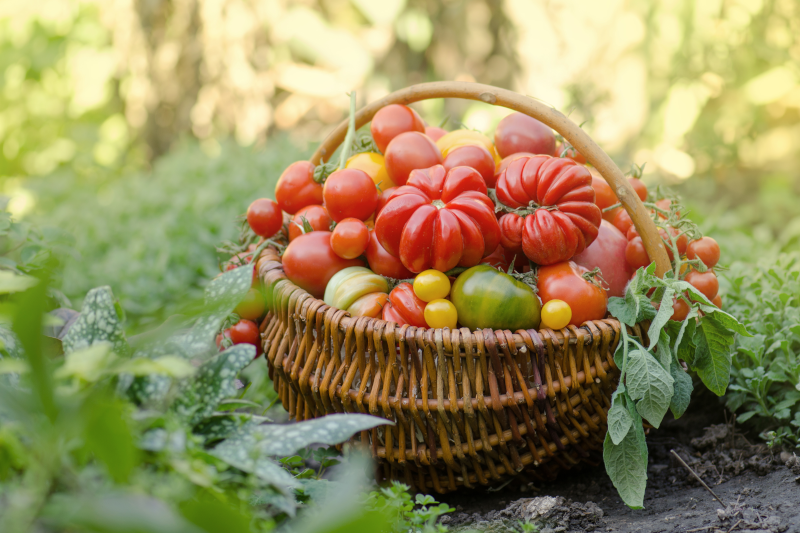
(446, 229)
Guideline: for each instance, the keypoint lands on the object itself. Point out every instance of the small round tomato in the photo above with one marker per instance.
(705, 282)
(410, 151)
(567, 150)
(309, 262)
(706, 249)
(622, 221)
(441, 313)
(252, 305)
(520, 133)
(350, 238)
(431, 285)
(474, 156)
(316, 216)
(404, 307)
(717, 301)
(391, 121)
(435, 132)
(383, 197)
(296, 187)
(636, 255)
(639, 187)
(244, 332)
(556, 314)
(375, 167)
(383, 263)
(350, 193)
(680, 310)
(264, 217)
(565, 281)
(604, 196)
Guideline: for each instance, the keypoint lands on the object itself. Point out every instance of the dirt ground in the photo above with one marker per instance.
(760, 491)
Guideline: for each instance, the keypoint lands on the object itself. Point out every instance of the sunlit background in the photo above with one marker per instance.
(140, 125)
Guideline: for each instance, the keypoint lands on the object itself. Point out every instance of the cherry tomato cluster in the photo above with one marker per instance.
(390, 233)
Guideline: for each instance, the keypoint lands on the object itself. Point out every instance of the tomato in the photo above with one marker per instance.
(520, 133)
(439, 220)
(607, 253)
(264, 217)
(309, 262)
(604, 195)
(431, 285)
(622, 221)
(242, 259)
(410, 151)
(317, 217)
(252, 306)
(487, 298)
(705, 282)
(458, 138)
(636, 255)
(557, 193)
(474, 156)
(639, 187)
(435, 132)
(564, 281)
(383, 263)
(717, 301)
(556, 314)
(404, 307)
(680, 242)
(441, 313)
(706, 249)
(350, 284)
(508, 160)
(296, 187)
(350, 193)
(244, 332)
(370, 305)
(567, 150)
(375, 167)
(680, 310)
(350, 238)
(496, 259)
(383, 197)
(391, 121)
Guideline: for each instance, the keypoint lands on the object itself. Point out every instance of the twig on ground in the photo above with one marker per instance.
(734, 525)
(689, 468)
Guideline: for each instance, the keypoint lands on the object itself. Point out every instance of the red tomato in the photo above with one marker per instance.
(309, 262)
(264, 217)
(439, 220)
(639, 187)
(383, 197)
(350, 238)
(244, 332)
(383, 263)
(551, 236)
(717, 301)
(706, 249)
(622, 221)
(252, 306)
(705, 282)
(521, 133)
(435, 132)
(497, 259)
(410, 151)
(510, 159)
(636, 255)
(607, 253)
(567, 150)
(563, 281)
(680, 309)
(350, 193)
(404, 307)
(316, 215)
(474, 156)
(680, 241)
(296, 187)
(391, 121)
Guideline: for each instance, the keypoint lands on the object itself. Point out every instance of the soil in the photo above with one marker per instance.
(760, 488)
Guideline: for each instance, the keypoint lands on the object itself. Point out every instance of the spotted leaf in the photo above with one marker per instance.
(100, 321)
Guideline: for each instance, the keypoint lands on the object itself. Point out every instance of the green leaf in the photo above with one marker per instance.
(712, 358)
(727, 321)
(89, 364)
(682, 383)
(108, 436)
(650, 384)
(627, 467)
(619, 420)
(166, 365)
(13, 366)
(98, 322)
(623, 310)
(662, 317)
(11, 282)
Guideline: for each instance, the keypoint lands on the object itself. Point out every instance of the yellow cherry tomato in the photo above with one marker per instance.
(465, 137)
(375, 167)
(441, 313)
(430, 285)
(556, 314)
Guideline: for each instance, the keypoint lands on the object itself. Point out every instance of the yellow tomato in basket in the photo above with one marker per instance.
(458, 138)
(556, 314)
(431, 285)
(441, 313)
(375, 167)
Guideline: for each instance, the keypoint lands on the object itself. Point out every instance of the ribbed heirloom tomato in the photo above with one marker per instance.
(555, 196)
(565, 281)
(309, 262)
(383, 263)
(296, 187)
(439, 220)
(404, 307)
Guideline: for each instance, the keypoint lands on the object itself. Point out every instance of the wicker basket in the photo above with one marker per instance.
(470, 407)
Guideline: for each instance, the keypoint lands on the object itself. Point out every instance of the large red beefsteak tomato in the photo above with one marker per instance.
(556, 216)
(439, 219)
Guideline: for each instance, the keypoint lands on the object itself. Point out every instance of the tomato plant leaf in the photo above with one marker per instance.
(619, 419)
(712, 358)
(662, 317)
(627, 466)
(99, 321)
(682, 383)
(650, 384)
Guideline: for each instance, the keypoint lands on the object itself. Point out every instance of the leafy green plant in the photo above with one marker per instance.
(417, 515)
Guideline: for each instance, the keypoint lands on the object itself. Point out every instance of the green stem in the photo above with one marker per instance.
(611, 207)
(351, 132)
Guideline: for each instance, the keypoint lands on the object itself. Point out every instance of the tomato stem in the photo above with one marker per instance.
(351, 132)
(611, 207)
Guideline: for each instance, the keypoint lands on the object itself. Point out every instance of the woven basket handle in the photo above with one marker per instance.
(533, 108)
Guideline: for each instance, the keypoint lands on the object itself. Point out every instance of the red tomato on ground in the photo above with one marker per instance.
(309, 262)
(350, 193)
(350, 238)
(244, 332)
(404, 307)
(706, 249)
(474, 156)
(252, 306)
(264, 217)
(562, 218)
(607, 252)
(521, 133)
(705, 282)
(296, 187)
(316, 215)
(435, 132)
(439, 220)
(410, 151)
(391, 121)
(383, 263)
(564, 281)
